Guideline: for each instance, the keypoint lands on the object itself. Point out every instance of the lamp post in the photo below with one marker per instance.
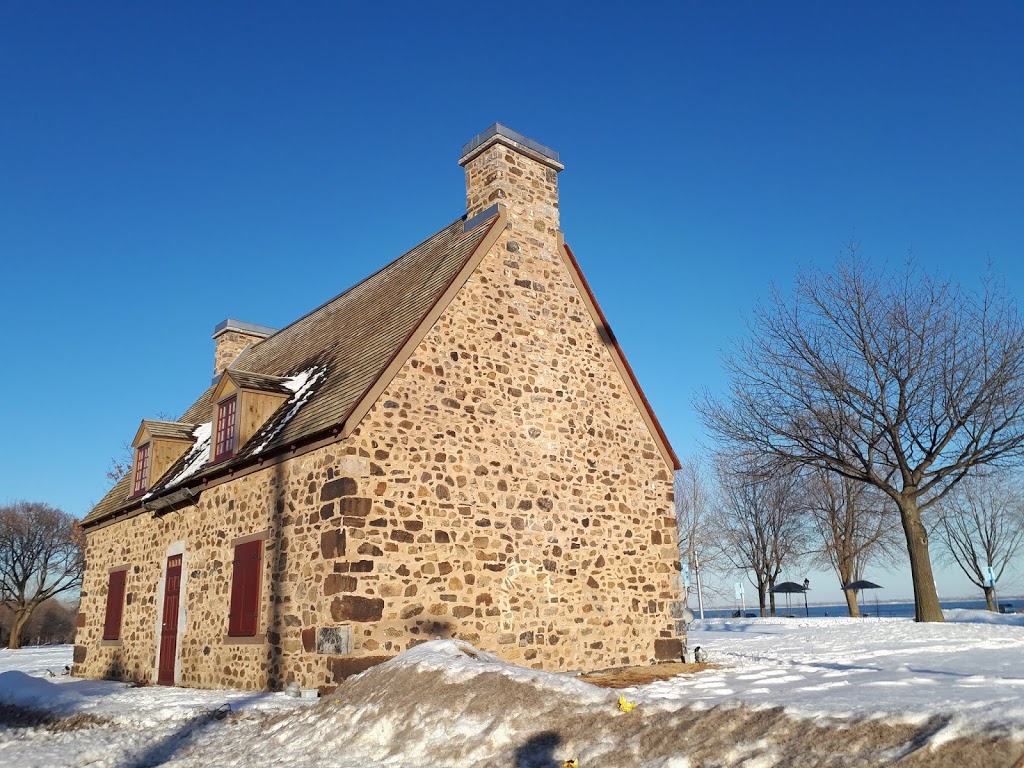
(700, 591)
(807, 584)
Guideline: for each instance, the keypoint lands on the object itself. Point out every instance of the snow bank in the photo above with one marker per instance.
(965, 616)
(823, 692)
(26, 691)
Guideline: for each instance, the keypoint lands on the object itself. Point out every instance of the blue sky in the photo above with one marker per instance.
(164, 166)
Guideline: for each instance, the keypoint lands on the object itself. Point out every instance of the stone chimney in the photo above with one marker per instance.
(503, 166)
(232, 337)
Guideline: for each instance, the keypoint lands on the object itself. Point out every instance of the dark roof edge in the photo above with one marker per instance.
(418, 331)
(673, 459)
(499, 133)
(240, 325)
(365, 279)
(480, 218)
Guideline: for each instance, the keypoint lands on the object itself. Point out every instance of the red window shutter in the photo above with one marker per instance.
(243, 620)
(115, 606)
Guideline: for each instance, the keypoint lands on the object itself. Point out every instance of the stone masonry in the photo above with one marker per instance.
(503, 489)
(231, 338)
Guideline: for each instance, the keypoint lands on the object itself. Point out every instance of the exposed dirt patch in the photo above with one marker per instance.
(626, 677)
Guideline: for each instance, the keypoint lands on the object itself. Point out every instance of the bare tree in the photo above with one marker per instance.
(53, 621)
(761, 525)
(855, 524)
(695, 522)
(121, 464)
(40, 557)
(981, 525)
(902, 381)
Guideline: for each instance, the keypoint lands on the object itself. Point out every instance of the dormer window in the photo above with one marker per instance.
(242, 403)
(157, 444)
(141, 469)
(226, 434)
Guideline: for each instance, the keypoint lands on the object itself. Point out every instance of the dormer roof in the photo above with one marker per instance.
(256, 382)
(163, 430)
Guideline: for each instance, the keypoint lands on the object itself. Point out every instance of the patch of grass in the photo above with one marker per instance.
(12, 716)
(627, 677)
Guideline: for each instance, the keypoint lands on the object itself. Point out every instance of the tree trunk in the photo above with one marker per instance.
(990, 599)
(851, 602)
(771, 602)
(926, 599)
(21, 617)
(761, 603)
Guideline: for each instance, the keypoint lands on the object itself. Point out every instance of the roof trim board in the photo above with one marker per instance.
(172, 431)
(362, 405)
(618, 357)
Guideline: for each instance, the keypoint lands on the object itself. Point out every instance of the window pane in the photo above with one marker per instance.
(141, 468)
(225, 429)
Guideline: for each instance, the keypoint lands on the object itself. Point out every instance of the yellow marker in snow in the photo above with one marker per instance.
(626, 706)
(573, 763)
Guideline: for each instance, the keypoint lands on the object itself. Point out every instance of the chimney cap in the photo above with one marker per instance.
(240, 325)
(499, 133)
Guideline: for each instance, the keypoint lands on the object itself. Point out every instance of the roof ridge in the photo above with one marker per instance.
(356, 335)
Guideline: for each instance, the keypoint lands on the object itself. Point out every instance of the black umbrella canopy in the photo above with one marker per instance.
(788, 588)
(862, 584)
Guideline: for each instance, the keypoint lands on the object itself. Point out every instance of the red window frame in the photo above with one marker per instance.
(226, 428)
(141, 469)
(115, 605)
(243, 616)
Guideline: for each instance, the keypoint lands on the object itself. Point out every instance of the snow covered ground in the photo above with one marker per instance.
(971, 665)
(787, 692)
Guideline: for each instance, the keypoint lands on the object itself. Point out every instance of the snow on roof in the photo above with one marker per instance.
(301, 385)
(196, 458)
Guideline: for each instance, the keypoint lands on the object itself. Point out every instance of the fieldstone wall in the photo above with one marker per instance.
(208, 660)
(504, 489)
(524, 181)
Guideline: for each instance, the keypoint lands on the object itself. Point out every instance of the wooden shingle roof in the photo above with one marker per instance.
(169, 430)
(343, 347)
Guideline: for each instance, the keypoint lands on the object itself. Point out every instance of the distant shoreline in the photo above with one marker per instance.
(868, 607)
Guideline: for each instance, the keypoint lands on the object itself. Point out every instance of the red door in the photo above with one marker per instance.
(169, 627)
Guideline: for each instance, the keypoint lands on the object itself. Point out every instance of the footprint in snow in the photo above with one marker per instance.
(714, 682)
(762, 674)
(782, 679)
(825, 686)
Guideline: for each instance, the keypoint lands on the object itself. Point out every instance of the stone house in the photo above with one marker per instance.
(454, 447)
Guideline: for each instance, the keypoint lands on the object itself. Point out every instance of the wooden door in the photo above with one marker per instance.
(169, 626)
